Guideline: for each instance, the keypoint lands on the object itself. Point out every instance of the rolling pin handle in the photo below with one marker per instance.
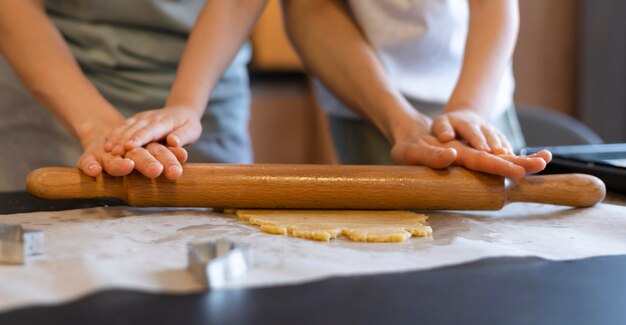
(58, 183)
(576, 190)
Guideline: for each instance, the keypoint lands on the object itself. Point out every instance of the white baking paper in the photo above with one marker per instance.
(145, 248)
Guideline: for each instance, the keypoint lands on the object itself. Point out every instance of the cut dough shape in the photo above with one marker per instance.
(323, 225)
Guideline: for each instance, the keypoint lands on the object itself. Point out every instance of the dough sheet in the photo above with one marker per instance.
(324, 225)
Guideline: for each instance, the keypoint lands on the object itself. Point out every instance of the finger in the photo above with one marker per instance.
(543, 154)
(488, 163)
(108, 144)
(431, 156)
(506, 144)
(493, 140)
(149, 133)
(185, 134)
(127, 134)
(531, 165)
(116, 165)
(180, 153)
(474, 136)
(442, 129)
(145, 162)
(112, 140)
(171, 166)
(90, 165)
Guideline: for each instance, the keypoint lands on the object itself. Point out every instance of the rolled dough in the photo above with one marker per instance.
(323, 225)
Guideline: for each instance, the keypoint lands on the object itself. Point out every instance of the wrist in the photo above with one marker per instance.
(454, 106)
(394, 116)
(467, 114)
(81, 110)
(193, 108)
(477, 107)
(89, 127)
(409, 126)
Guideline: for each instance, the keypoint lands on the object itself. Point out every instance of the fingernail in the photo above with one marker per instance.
(92, 166)
(176, 139)
(173, 169)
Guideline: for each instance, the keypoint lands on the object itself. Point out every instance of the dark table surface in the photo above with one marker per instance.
(490, 291)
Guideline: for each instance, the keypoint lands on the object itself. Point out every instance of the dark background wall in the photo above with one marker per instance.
(602, 78)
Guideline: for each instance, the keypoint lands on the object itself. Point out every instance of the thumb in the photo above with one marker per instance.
(89, 164)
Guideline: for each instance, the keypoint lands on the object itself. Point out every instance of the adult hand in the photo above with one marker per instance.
(95, 159)
(466, 125)
(421, 148)
(177, 125)
(507, 165)
(156, 159)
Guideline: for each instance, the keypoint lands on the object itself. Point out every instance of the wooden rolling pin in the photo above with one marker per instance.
(320, 187)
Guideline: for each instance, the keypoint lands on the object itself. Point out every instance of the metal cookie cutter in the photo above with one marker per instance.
(17, 243)
(215, 262)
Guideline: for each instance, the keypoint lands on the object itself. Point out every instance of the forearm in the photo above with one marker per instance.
(220, 30)
(333, 48)
(490, 43)
(39, 55)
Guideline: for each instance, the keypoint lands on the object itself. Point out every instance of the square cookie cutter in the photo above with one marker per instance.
(16, 243)
(216, 262)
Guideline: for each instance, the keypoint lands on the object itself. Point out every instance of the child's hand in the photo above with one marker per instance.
(421, 148)
(152, 161)
(177, 125)
(469, 126)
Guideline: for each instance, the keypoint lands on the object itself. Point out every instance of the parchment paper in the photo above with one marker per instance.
(145, 248)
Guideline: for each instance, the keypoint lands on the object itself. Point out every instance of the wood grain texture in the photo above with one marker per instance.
(578, 190)
(318, 187)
